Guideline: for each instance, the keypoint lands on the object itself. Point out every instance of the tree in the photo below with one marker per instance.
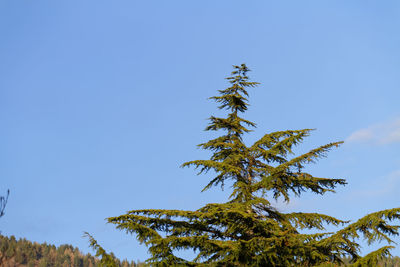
(44, 262)
(247, 230)
(3, 203)
(106, 259)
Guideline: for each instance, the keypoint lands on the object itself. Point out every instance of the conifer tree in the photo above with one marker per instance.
(247, 230)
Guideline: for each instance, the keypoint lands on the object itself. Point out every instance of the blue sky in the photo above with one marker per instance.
(101, 101)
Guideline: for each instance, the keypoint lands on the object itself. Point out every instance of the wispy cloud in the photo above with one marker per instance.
(283, 206)
(382, 133)
(383, 187)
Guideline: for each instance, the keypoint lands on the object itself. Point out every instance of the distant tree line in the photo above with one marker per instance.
(24, 253)
(385, 262)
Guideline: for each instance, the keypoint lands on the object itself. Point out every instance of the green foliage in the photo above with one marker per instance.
(373, 258)
(247, 230)
(106, 259)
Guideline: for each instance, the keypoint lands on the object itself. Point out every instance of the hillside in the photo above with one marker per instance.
(24, 253)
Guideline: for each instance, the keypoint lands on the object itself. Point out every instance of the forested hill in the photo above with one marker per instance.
(21, 253)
